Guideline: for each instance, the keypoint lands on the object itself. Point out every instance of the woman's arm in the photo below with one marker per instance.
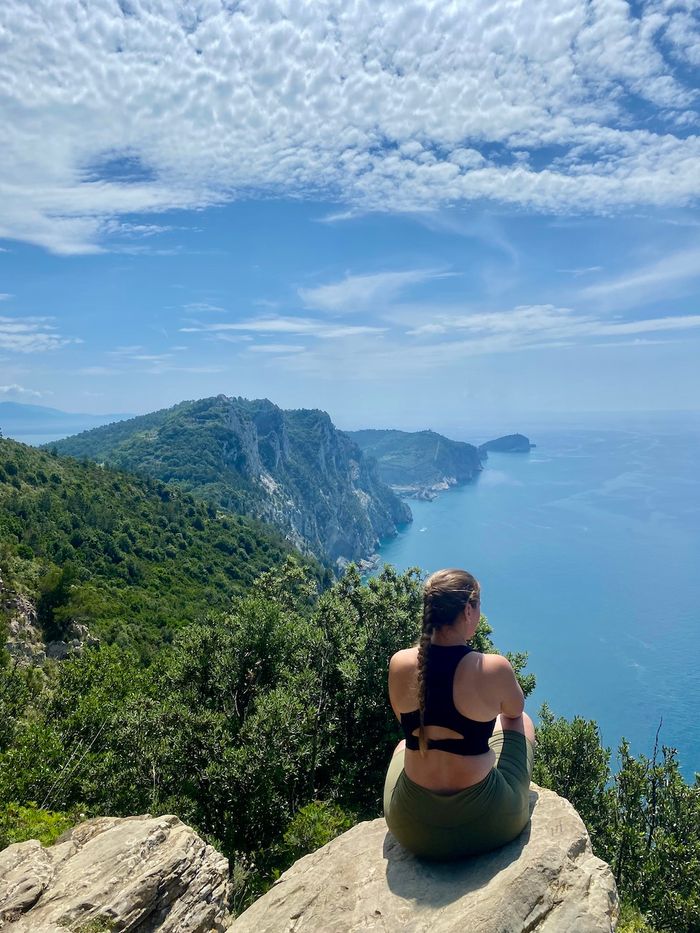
(503, 686)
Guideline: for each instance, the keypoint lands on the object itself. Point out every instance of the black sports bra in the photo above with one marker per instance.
(440, 709)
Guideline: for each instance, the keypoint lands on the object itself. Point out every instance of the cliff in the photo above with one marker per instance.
(292, 469)
(419, 463)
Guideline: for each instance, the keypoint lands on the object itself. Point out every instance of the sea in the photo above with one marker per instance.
(588, 554)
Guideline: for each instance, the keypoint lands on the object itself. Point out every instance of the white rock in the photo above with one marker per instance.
(140, 873)
(546, 881)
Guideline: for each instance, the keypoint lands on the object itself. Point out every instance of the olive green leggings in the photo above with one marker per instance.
(478, 819)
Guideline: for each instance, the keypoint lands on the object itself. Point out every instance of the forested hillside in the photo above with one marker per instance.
(413, 461)
(290, 468)
(132, 558)
(268, 729)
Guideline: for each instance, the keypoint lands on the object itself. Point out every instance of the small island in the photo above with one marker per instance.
(508, 444)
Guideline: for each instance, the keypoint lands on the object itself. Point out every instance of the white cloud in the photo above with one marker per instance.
(20, 391)
(375, 104)
(202, 306)
(364, 292)
(285, 325)
(98, 371)
(31, 335)
(540, 325)
(659, 278)
(4, 296)
(276, 348)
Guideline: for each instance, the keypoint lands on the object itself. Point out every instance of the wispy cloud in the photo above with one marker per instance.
(20, 391)
(31, 335)
(546, 325)
(276, 348)
(378, 106)
(662, 278)
(202, 306)
(285, 325)
(365, 292)
(98, 371)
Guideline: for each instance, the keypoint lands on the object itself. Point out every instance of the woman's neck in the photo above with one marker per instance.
(450, 635)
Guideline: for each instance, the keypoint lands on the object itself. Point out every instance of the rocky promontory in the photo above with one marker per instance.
(419, 464)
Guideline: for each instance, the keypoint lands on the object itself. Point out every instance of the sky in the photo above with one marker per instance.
(407, 214)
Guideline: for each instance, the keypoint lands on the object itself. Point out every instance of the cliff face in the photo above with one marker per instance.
(421, 462)
(290, 468)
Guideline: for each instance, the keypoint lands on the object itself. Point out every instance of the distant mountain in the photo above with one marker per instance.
(39, 424)
(419, 463)
(508, 444)
(293, 469)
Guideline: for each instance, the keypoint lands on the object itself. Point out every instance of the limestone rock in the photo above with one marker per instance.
(138, 874)
(546, 881)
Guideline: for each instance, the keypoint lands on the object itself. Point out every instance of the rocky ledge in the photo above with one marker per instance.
(546, 881)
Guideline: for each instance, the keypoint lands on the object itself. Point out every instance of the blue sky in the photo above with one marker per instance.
(412, 215)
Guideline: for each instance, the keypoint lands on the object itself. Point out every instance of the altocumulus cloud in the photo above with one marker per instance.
(109, 107)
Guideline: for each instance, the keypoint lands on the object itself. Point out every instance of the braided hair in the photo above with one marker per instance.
(446, 594)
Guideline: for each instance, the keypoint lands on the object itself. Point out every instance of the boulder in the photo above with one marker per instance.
(140, 874)
(547, 880)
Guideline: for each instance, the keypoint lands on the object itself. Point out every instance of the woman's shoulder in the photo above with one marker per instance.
(403, 660)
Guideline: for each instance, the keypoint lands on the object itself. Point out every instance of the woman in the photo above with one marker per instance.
(458, 783)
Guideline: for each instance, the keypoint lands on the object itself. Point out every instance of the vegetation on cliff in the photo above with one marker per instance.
(290, 468)
(508, 444)
(132, 558)
(267, 728)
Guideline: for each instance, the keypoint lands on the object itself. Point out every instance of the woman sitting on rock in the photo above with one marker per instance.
(458, 783)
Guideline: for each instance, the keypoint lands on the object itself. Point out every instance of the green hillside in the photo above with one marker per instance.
(419, 458)
(132, 558)
(292, 469)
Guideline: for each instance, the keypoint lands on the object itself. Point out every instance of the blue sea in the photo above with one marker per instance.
(588, 553)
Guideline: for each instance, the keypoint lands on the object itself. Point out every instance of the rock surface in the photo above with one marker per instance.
(137, 874)
(546, 881)
(25, 638)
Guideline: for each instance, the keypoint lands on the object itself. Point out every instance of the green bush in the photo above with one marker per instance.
(21, 822)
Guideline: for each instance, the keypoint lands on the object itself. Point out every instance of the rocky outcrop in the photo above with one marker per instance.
(25, 637)
(508, 444)
(546, 881)
(138, 874)
(419, 464)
